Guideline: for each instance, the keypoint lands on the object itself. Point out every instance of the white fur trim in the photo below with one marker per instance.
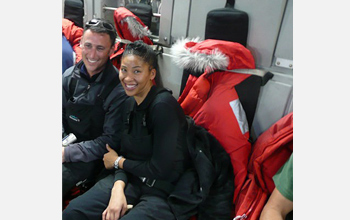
(197, 61)
(135, 28)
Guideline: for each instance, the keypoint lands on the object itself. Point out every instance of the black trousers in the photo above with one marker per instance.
(72, 173)
(147, 205)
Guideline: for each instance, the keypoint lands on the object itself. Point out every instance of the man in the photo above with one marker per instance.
(280, 202)
(92, 99)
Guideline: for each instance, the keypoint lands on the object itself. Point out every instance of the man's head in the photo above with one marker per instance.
(97, 44)
(99, 25)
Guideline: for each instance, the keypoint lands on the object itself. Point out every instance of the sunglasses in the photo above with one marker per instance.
(97, 22)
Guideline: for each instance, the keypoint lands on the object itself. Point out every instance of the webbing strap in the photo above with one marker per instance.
(130, 103)
(72, 85)
(158, 184)
(103, 95)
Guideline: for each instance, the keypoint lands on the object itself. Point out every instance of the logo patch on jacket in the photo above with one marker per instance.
(74, 118)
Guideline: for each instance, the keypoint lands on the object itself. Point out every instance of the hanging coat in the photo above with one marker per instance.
(270, 151)
(73, 34)
(129, 27)
(212, 100)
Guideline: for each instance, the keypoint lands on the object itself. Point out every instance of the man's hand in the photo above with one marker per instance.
(110, 157)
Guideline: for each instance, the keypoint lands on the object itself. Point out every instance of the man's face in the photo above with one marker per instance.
(96, 49)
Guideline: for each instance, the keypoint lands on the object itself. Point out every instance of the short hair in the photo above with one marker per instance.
(142, 50)
(99, 25)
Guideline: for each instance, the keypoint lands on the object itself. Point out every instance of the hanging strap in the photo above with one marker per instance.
(72, 85)
(230, 3)
(130, 104)
(158, 184)
(103, 95)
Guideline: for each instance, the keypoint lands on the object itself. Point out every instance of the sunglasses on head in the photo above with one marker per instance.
(97, 22)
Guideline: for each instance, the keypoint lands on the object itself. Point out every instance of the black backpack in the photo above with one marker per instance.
(143, 11)
(227, 24)
(74, 11)
(205, 190)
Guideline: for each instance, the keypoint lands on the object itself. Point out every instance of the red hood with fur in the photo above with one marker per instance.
(129, 27)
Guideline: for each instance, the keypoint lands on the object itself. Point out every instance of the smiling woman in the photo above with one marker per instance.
(137, 72)
(153, 152)
(234, 89)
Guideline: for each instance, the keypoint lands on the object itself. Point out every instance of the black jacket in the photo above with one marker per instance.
(86, 93)
(207, 189)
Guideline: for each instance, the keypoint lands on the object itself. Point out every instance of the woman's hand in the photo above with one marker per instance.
(117, 203)
(110, 157)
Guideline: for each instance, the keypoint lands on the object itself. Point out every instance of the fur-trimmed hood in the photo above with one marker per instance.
(210, 55)
(130, 27)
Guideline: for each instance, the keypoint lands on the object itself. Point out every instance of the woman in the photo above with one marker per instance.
(153, 154)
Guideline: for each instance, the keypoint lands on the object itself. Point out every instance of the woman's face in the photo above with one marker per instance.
(136, 77)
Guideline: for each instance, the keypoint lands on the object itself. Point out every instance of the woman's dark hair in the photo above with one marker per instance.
(142, 50)
(99, 25)
(147, 54)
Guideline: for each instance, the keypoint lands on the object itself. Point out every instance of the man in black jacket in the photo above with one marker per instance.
(92, 97)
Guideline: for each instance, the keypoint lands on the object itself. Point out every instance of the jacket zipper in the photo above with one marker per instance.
(87, 88)
(83, 93)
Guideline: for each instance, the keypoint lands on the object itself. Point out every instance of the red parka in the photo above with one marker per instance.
(212, 100)
(73, 34)
(270, 151)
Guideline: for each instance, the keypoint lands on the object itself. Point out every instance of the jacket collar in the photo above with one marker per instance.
(107, 73)
(151, 96)
(148, 100)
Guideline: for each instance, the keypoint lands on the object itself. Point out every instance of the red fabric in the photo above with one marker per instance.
(124, 33)
(196, 96)
(73, 34)
(271, 150)
(117, 55)
(251, 199)
(238, 56)
(74, 192)
(122, 27)
(207, 99)
(189, 84)
(214, 113)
